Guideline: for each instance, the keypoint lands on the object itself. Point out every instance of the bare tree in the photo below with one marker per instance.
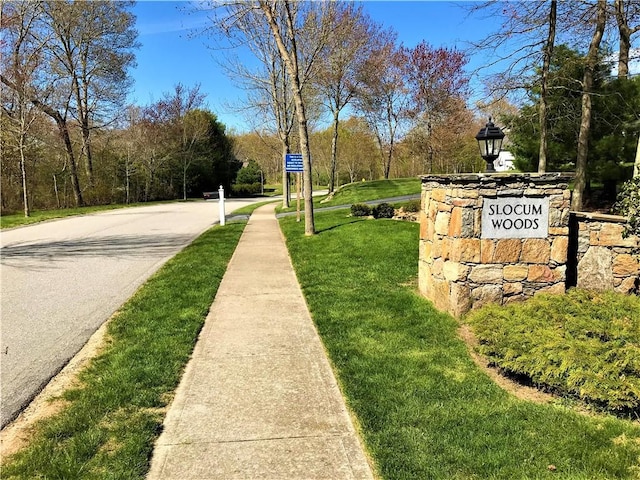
(285, 19)
(244, 25)
(269, 88)
(591, 61)
(384, 99)
(92, 45)
(524, 41)
(22, 60)
(353, 40)
(626, 11)
(544, 85)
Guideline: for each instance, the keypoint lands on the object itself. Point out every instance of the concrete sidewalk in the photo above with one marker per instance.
(258, 398)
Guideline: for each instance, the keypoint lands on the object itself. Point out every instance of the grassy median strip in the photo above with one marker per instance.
(426, 410)
(362, 192)
(111, 421)
(374, 190)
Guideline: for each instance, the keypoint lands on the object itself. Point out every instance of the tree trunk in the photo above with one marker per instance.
(86, 149)
(286, 191)
(334, 153)
(127, 185)
(55, 189)
(75, 184)
(585, 121)
(184, 181)
(309, 223)
(636, 165)
(23, 171)
(387, 165)
(548, 53)
(290, 60)
(625, 39)
(83, 119)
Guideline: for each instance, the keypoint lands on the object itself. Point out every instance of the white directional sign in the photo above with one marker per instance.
(293, 162)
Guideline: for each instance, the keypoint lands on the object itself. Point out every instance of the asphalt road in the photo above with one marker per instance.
(61, 280)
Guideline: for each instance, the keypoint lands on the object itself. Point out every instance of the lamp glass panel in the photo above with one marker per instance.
(497, 145)
(492, 147)
(484, 147)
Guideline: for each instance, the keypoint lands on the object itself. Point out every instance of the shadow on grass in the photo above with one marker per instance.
(334, 227)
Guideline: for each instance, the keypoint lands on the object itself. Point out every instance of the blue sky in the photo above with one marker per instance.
(169, 54)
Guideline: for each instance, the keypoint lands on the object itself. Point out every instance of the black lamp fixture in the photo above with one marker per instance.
(490, 141)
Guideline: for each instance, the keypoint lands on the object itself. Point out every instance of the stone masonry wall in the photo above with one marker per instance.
(605, 260)
(459, 270)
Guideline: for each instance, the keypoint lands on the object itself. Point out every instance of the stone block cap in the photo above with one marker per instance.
(599, 217)
(498, 178)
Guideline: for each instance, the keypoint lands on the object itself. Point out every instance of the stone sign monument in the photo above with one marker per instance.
(494, 237)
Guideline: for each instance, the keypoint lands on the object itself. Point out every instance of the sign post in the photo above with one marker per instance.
(293, 164)
(221, 205)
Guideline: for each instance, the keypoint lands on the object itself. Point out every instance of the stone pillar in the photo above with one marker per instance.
(492, 238)
(605, 259)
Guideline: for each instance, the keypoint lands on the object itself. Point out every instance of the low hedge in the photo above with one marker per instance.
(360, 210)
(412, 206)
(246, 188)
(582, 344)
(383, 210)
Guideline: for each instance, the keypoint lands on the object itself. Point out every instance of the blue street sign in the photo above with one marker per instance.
(293, 162)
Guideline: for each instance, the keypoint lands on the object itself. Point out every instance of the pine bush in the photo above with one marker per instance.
(360, 210)
(383, 210)
(582, 344)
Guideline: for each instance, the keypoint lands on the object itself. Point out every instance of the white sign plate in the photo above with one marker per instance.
(515, 217)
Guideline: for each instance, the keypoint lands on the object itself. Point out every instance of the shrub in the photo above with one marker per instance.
(629, 205)
(582, 344)
(246, 188)
(384, 210)
(249, 174)
(360, 210)
(412, 206)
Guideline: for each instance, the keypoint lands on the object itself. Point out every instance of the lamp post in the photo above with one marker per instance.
(490, 141)
(261, 183)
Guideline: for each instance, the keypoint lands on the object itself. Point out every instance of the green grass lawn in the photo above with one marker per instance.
(18, 219)
(426, 411)
(365, 191)
(110, 425)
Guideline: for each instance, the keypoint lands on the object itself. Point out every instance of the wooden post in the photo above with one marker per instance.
(298, 197)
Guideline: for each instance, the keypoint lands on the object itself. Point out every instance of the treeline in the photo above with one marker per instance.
(329, 83)
(555, 93)
(613, 137)
(337, 87)
(358, 152)
(68, 138)
(561, 55)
